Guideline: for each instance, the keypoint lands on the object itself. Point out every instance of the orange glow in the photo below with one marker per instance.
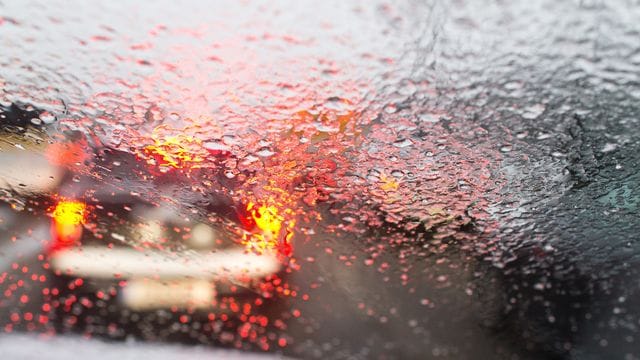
(266, 218)
(72, 155)
(176, 151)
(388, 183)
(270, 222)
(69, 212)
(68, 217)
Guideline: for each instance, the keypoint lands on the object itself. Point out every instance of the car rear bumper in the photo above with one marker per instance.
(118, 263)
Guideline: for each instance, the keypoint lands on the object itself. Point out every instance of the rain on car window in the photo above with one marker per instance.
(339, 179)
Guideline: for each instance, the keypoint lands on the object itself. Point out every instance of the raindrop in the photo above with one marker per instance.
(543, 136)
(390, 109)
(397, 173)
(47, 117)
(430, 118)
(230, 140)
(608, 147)
(533, 111)
(118, 236)
(403, 143)
(368, 262)
(174, 117)
(265, 152)
(216, 147)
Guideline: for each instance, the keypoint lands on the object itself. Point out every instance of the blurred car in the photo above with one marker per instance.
(133, 230)
(167, 256)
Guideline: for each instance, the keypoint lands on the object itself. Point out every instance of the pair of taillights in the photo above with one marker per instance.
(273, 232)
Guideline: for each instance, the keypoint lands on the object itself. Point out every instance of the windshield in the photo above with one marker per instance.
(337, 179)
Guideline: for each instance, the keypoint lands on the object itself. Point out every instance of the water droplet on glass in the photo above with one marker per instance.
(403, 143)
(265, 152)
(47, 117)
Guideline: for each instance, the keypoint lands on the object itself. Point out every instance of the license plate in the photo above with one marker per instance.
(146, 294)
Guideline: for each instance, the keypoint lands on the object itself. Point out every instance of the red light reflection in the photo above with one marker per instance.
(68, 219)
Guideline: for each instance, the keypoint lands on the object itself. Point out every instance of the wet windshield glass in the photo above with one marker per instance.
(338, 179)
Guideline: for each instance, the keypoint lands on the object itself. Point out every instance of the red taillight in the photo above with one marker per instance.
(68, 218)
(275, 232)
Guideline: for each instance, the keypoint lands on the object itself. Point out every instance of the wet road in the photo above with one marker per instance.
(463, 175)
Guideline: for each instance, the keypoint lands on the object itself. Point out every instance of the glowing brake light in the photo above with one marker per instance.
(266, 218)
(68, 217)
(270, 222)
